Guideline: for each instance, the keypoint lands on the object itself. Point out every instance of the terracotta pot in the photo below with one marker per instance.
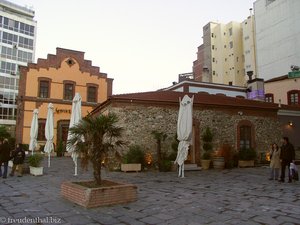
(205, 163)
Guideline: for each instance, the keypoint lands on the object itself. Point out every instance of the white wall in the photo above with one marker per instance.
(277, 36)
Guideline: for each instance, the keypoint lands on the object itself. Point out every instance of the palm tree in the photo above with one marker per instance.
(94, 137)
(159, 137)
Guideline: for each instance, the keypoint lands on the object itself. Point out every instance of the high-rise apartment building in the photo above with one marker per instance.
(277, 36)
(249, 51)
(227, 53)
(17, 44)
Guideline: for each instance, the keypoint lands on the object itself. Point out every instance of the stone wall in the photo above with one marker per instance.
(139, 120)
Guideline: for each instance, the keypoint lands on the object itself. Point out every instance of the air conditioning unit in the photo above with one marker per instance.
(15, 46)
(13, 73)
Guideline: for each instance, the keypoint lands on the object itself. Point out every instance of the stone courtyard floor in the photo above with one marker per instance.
(237, 196)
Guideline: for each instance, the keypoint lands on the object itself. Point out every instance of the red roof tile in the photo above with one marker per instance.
(170, 97)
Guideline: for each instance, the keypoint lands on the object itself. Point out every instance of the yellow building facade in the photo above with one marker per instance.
(56, 80)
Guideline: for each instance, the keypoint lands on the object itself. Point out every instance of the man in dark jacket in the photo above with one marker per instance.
(287, 156)
(18, 157)
(4, 157)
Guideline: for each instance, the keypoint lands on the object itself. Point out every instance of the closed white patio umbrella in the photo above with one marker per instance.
(184, 131)
(49, 131)
(75, 118)
(34, 131)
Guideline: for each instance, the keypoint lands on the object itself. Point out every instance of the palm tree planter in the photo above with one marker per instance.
(94, 138)
(113, 193)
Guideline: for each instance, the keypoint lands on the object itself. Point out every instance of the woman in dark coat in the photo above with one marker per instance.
(4, 157)
(18, 157)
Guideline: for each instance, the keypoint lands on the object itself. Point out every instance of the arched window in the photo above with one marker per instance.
(293, 97)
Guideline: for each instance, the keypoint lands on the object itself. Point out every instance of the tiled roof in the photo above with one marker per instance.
(172, 97)
(277, 79)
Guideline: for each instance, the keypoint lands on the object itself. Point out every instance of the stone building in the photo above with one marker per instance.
(236, 121)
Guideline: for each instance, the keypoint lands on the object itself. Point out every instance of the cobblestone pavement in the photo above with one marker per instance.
(237, 196)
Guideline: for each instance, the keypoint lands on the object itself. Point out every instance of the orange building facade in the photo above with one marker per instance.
(56, 80)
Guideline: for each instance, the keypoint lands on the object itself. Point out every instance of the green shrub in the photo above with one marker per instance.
(207, 135)
(247, 154)
(206, 156)
(207, 138)
(134, 155)
(166, 165)
(35, 160)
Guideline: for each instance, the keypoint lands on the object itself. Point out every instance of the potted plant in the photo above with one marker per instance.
(133, 160)
(34, 162)
(94, 137)
(207, 138)
(246, 157)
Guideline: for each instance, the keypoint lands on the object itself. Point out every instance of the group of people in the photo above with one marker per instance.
(281, 157)
(17, 156)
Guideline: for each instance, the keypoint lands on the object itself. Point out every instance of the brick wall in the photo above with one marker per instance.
(95, 197)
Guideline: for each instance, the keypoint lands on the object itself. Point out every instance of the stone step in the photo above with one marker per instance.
(191, 167)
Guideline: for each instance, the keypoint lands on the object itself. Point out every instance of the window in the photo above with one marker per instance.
(7, 67)
(269, 98)
(230, 31)
(212, 47)
(41, 130)
(68, 91)
(44, 89)
(213, 59)
(231, 44)
(245, 137)
(293, 97)
(8, 113)
(92, 93)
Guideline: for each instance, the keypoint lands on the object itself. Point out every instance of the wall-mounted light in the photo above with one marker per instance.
(290, 123)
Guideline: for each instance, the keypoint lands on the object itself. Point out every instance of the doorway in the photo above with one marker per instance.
(62, 131)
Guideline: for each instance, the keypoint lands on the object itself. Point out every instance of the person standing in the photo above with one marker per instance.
(287, 155)
(4, 157)
(275, 162)
(18, 160)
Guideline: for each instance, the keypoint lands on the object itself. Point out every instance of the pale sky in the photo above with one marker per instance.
(142, 44)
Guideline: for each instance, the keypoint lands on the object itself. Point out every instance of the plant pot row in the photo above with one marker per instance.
(219, 163)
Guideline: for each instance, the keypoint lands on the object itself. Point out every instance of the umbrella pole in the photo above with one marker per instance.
(48, 159)
(182, 170)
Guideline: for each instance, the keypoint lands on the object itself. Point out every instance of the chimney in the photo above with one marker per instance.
(250, 74)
